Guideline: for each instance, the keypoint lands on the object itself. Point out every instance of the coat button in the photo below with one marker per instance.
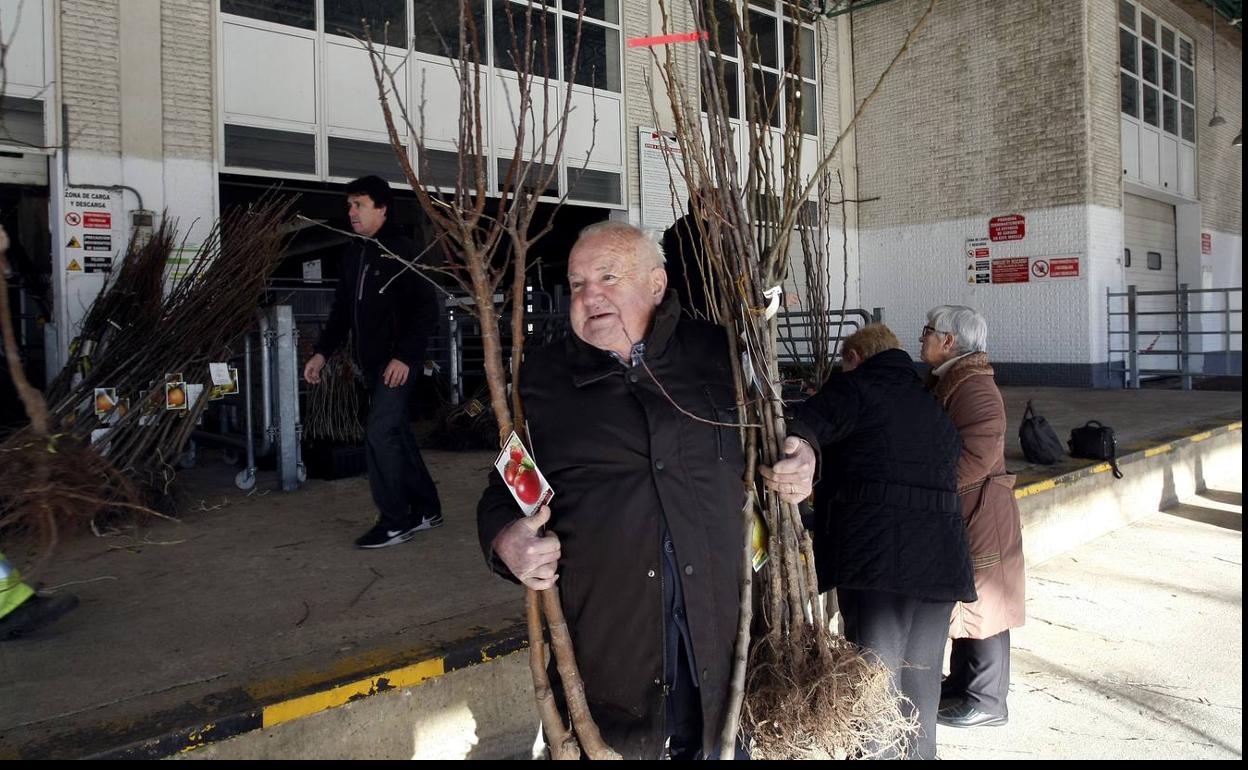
(658, 464)
(688, 569)
(667, 546)
(650, 573)
(632, 377)
(679, 613)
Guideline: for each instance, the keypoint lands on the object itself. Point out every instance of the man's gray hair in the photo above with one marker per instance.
(968, 327)
(649, 251)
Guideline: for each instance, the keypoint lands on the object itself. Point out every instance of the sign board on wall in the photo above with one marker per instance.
(983, 268)
(1206, 243)
(664, 194)
(978, 261)
(92, 223)
(1007, 228)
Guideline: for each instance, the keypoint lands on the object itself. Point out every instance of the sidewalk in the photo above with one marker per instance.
(1133, 647)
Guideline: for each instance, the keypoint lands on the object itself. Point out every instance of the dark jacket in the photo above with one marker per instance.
(386, 319)
(621, 459)
(887, 511)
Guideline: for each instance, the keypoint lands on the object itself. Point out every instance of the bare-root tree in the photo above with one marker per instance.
(803, 691)
(486, 240)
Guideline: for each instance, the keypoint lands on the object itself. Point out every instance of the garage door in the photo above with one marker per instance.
(1150, 262)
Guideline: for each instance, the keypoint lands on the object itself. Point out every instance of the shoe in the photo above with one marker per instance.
(429, 522)
(34, 613)
(966, 715)
(380, 537)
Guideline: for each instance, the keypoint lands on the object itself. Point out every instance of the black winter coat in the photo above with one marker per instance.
(387, 319)
(887, 511)
(620, 459)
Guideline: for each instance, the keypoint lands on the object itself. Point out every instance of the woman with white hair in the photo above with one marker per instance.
(954, 342)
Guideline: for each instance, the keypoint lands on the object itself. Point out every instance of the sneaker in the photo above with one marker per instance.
(429, 522)
(380, 537)
(37, 611)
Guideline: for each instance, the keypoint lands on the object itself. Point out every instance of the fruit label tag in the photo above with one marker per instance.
(520, 474)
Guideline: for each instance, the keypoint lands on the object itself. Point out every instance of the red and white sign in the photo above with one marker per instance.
(73, 218)
(100, 220)
(1206, 243)
(1008, 228)
(1011, 270)
(1064, 267)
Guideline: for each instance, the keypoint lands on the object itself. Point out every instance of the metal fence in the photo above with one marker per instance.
(1184, 333)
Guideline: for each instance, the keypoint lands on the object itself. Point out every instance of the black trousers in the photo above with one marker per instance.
(979, 673)
(908, 635)
(402, 488)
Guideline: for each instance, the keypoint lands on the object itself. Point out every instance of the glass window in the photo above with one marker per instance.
(1126, 14)
(1189, 123)
(1150, 63)
(436, 28)
(607, 10)
(265, 148)
(1185, 51)
(804, 106)
(1154, 260)
(1169, 79)
(1126, 257)
(597, 57)
(764, 102)
(1167, 40)
(440, 168)
(1130, 96)
(353, 158)
(597, 186)
(803, 50)
(723, 23)
(1128, 53)
(1148, 27)
(21, 121)
(387, 20)
(525, 35)
(1151, 106)
(763, 43)
(294, 13)
(731, 86)
(533, 173)
(1187, 83)
(1170, 114)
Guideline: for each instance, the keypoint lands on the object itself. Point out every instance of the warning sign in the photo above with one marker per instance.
(1040, 268)
(978, 263)
(100, 220)
(73, 267)
(74, 243)
(1008, 228)
(97, 242)
(1063, 267)
(1010, 270)
(1206, 243)
(97, 264)
(73, 218)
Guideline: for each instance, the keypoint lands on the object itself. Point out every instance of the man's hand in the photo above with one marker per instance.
(793, 477)
(312, 369)
(395, 374)
(532, 559)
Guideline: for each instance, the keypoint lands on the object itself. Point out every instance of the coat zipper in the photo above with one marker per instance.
(359, 295)
(719, 430)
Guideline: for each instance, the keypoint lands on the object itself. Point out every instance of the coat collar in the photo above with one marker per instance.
(962, 370)
(590, 364)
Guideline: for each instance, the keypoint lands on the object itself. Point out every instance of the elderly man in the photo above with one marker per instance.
(629, 420)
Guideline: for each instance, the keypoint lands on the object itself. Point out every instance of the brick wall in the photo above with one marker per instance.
(91, 73)
(188, 78)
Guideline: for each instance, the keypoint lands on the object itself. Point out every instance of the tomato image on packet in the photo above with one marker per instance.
(527, 484)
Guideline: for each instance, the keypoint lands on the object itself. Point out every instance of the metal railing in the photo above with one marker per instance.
(797, 332)
(1217, 328)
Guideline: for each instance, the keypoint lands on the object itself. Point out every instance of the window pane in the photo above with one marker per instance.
(1170, 115)
(1185, 52)
(1128, 54)
(440, 168)
(1167, 40)
(1168, 78)
(763, 43)
(1130, 96)
(607, 10)
(1126, 257)
(597, 186)
(723, 24)
(731, 87)
(387, 19)
(1151, 107)
(249, 147)
(1126, 14)
(528, 175)
(353, 158)
(1148, 27)
(1154, 260)
(1150, 63)
(597, 59)
(764, 102)
(294, 13)
(1187, 81)
(1189, 123)
(21, 121)
(804, 50)
(525, 39)
(805, 107)
(436, 29)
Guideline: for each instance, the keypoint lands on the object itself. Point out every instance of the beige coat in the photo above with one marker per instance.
(970, 395)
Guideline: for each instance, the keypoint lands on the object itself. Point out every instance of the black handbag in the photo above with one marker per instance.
(1095, 442)
(1040, 444)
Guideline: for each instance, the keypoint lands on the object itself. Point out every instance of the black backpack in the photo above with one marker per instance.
(1040, 444)
(1095, 442)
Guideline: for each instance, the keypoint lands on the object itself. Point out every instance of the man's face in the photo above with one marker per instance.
(366, 218)
(613, 295)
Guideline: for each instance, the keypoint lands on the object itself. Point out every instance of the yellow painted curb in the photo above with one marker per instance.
(307, 705)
